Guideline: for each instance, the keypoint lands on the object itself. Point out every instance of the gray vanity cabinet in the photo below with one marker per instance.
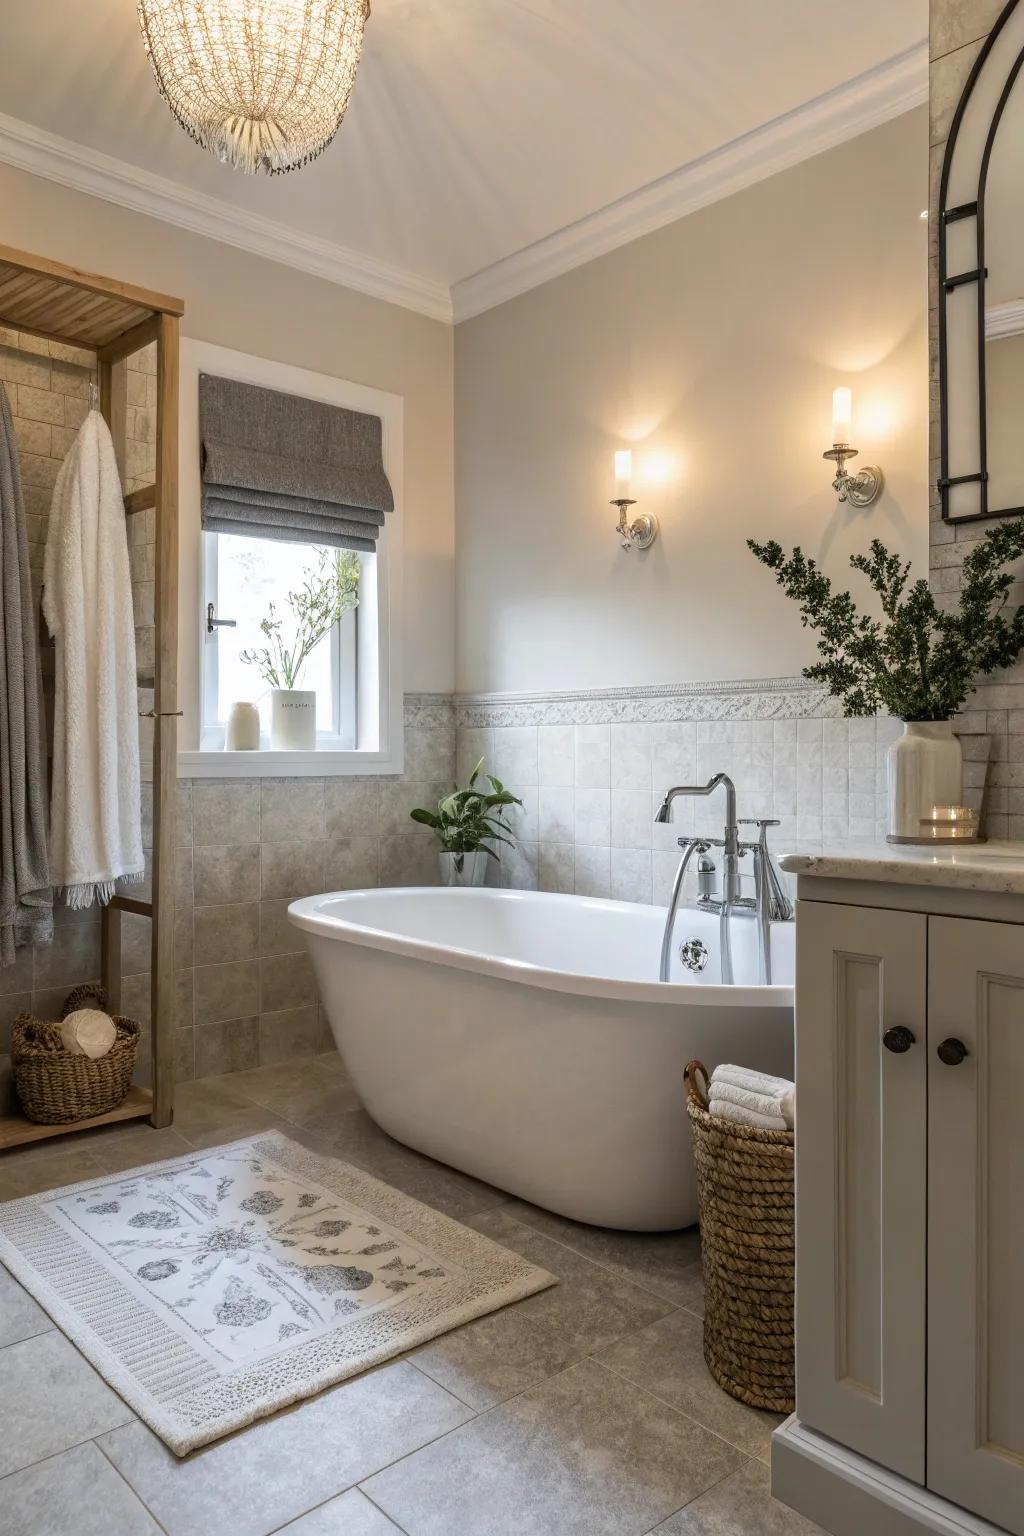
(861, 1178)
(975, 1450)
(910, 1197)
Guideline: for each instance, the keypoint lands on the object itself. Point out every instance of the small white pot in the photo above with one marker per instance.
(924, 768)
(463, 868)
(292, 720)
(243, 732)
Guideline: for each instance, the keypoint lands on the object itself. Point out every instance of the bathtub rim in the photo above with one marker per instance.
(306, 914)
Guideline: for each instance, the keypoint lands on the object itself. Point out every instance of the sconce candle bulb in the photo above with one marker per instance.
(643, 530)
(859, 490)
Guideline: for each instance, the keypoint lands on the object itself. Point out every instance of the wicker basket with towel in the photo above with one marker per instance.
(77, 1068)
(745, 1188)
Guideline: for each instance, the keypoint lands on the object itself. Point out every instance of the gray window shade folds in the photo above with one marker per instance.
(281, 467)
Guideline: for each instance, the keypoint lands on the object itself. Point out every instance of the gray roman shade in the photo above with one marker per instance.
(280, 467)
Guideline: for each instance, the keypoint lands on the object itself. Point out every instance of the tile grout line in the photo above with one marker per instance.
(709, 1489)
(133, 1491)
(672, 1407)
(676, 1306)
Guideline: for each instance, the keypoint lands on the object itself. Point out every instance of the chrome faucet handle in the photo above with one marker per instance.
(759, 821)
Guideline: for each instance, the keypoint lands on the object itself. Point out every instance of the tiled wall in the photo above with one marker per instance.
(592, 772)
(246, 849)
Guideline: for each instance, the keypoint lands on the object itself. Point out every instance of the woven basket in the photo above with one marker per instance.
(745, 1189)
(56, 1087)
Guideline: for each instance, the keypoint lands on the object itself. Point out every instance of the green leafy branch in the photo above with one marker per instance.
(327, 593)
(919, 662)
(469, 820)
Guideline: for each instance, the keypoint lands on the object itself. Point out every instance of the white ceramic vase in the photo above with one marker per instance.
(292, 720)
(463, 868)
(924, 768)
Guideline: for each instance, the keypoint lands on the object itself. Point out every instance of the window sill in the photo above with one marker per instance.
(320, 764)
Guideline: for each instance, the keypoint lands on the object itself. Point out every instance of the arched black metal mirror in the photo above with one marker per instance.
(981, 285)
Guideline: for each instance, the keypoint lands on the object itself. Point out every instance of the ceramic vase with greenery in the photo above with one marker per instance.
(917, 662)
(329, 591)
(467, 823)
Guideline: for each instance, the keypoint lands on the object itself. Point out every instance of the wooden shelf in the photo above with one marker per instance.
(16, 1131)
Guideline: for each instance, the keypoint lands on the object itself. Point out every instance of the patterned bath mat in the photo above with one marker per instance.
(214, 1289)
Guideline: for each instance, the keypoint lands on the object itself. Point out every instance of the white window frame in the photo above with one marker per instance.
(343, 640)
(380, 702)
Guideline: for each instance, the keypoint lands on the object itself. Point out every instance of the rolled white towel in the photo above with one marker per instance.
(780, 1109)
(88, 1032)
(725, 1109)
(754, 1082)
(773, 1098)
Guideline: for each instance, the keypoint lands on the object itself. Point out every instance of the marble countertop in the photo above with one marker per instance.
(978, 867)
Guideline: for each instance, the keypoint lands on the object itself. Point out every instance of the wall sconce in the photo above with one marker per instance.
(859, 490)
(643, 530)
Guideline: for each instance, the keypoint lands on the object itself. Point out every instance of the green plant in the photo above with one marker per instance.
(469, 820)
(918, 662)
(328, 592)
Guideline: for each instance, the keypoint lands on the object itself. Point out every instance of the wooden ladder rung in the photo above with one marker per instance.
(130, 904)
(140, 501)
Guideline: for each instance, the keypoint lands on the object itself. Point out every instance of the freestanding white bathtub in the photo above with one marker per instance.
(519, 1037)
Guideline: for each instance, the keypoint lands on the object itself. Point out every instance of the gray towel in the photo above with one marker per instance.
(26, 900)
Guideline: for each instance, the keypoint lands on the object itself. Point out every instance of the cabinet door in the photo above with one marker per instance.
(976, 1218)
(861, 1169)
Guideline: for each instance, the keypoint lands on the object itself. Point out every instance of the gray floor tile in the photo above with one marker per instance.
(668, 1360)
(667, 1263)
(304, 1092)
(359, 1140)
(497, 1356)
(584, 1454)
(20, 1318)
(134, 1146)
(52, 1399)
(78, 1492)
(283, 1467)
(24, 1173)
(213, 1111)
(350, 1515)
(742, 1505)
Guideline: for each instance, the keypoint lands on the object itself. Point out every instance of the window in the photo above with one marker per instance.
(356, 669)
(245, 580)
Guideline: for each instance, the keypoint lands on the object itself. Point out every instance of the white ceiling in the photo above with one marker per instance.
(477, 127)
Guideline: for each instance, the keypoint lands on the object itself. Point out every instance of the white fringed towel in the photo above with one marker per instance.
(95, 816)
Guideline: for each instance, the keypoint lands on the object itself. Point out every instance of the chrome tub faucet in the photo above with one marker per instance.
(769, 904)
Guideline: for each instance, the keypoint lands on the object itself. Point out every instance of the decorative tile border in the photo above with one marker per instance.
(782, 698)
(430, 711)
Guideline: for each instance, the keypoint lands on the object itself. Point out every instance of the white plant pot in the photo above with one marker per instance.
(924, 768)
(463, 868)
(292, 720)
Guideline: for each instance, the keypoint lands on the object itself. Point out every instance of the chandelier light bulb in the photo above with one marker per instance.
(262, 84)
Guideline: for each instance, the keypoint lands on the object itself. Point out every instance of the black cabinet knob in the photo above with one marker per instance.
(952, 1052)
(898, 1039)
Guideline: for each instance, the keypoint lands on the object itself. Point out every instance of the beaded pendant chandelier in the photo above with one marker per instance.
(262, 84)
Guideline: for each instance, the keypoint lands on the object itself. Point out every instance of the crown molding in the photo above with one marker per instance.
(1004, 319)
(865, 102)
(32, 149)
(853, 108)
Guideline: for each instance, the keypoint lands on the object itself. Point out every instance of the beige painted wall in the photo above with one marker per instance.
(717, 342)
(254, 305)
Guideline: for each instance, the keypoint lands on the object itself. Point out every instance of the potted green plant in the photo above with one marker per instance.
(329, 590)
(468, 822)
(917, 661)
